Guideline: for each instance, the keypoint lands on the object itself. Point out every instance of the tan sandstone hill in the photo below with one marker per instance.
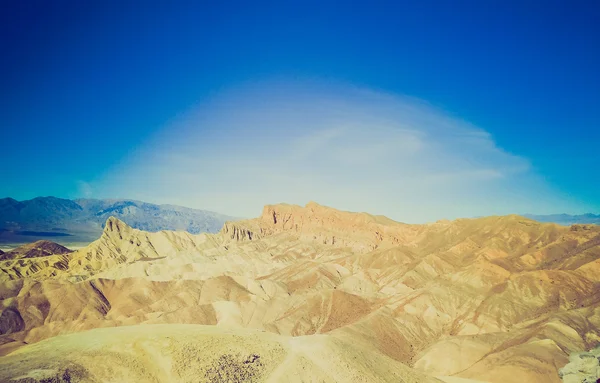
(34, 250)
(496, 299)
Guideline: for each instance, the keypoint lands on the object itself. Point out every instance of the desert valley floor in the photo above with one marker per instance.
(305, 294)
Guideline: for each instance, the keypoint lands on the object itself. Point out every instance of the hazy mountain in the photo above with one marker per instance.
(567, 219)
(71, 221)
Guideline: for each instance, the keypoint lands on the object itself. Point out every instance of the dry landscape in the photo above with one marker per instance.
(305, 294)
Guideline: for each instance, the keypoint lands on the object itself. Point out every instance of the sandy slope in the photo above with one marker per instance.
(498, 299)
(193, 353)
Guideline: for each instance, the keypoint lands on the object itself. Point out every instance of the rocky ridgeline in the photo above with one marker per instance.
(583, 367)
(360, 231)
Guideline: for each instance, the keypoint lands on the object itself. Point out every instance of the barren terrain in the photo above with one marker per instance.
(306, 294)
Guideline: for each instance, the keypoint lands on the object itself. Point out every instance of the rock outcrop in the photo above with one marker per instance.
(583, 367)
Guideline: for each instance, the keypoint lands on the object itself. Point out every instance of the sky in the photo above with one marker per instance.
(416, 110)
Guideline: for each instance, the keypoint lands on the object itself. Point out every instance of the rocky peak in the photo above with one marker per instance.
(114, 227)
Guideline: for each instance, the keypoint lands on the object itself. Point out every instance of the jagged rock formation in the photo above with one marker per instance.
(360, 231)
(496, 299)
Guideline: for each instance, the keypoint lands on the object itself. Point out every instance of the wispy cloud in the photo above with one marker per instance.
(84, 189)
(349, 148)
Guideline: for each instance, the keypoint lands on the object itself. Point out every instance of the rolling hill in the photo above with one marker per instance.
(307, 294)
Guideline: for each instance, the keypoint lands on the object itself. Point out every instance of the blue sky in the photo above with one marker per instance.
(97, 93)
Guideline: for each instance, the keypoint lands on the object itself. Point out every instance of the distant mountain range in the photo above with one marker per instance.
(567, 219)
(72, 222)
(82, 220)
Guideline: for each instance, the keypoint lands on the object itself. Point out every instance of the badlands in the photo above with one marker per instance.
(305, 294)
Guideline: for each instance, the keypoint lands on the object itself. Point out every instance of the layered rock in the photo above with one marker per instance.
(35, 250)
(359, 231)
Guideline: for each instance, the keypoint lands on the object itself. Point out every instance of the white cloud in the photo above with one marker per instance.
(84, 189)
(338, 145)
